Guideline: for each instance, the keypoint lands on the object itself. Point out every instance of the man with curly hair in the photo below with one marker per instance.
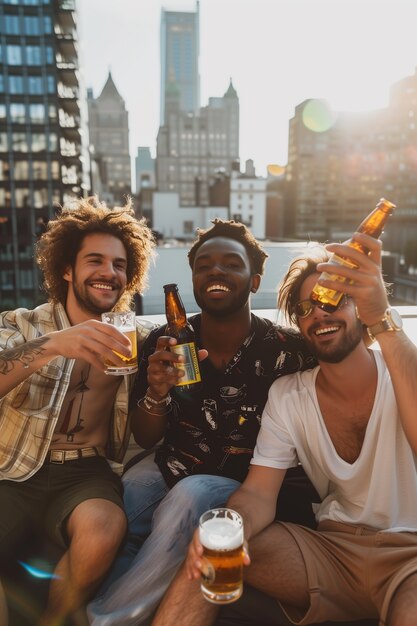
(62, 420)
(209, 436)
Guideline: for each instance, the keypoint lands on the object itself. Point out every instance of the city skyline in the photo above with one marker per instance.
(351, 54)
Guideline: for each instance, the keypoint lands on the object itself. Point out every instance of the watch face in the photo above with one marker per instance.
(395, 318)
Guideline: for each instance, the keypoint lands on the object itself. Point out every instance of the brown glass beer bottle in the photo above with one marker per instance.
(180, 328)
(373, 225)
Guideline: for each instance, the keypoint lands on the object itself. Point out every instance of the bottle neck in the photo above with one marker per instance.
(174, 310)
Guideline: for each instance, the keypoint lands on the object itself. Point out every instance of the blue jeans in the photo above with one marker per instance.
(161, 525)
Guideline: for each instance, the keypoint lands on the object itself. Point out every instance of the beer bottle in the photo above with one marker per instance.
(373, 225)
(180, 328)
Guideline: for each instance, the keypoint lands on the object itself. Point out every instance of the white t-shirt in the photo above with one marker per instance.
(379, 489)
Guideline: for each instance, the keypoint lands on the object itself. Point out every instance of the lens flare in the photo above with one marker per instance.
(37, 572)
(318, 116)
(275, 170)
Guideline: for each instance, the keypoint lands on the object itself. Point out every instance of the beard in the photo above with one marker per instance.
(225, 310)
(337, 353)
(88, 303)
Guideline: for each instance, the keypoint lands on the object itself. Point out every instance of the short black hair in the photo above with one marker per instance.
(231, 230)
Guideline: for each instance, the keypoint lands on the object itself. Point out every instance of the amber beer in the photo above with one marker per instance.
(126, 323)
(180, 328)
(221, 535)
(373, 225)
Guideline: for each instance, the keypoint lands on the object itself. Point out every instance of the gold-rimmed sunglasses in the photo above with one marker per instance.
(303, 308)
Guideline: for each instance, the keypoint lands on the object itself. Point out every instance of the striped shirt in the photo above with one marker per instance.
(29, 412)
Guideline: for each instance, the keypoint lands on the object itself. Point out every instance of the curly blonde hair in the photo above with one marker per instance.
(58, 247)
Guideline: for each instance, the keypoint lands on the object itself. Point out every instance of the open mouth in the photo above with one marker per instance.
(326, 330)
(218, 288)
(102, 286)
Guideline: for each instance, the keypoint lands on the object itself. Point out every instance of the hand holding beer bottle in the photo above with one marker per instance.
(329, 299)
(182, 331)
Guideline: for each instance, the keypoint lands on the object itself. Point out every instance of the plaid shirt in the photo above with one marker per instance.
(29, 413)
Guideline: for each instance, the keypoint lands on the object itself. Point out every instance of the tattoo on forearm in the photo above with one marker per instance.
(25, 354)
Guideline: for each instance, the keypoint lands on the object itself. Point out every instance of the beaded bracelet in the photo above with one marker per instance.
(150, 403)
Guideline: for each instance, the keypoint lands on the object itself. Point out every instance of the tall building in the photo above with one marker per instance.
(144, 168)
(179, 58)
(145, 183)
(108, 123)
(41, 150)
(334, 178)
(192, 147)
(248, 201)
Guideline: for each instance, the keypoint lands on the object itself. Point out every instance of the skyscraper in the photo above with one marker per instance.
(41, 163)
(108, 124)
(179, 58)
(336, 176)
(192, 147)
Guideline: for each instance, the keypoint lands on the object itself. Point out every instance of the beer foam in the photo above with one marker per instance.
(221, 534)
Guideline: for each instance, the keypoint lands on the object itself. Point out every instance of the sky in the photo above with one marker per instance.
(277, 52)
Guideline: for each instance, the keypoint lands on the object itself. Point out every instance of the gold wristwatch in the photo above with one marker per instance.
(391, 321)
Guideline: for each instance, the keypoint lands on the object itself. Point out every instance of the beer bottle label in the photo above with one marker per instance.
(192, 370)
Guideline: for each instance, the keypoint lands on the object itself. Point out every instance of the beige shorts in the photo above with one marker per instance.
(353, 571)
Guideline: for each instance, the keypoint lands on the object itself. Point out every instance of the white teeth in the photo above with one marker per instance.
(102, 286)
(328, 329)
(217, 288)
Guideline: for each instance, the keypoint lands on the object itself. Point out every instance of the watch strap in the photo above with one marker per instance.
(386, 324)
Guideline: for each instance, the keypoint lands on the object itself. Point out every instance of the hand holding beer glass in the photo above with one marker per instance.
(221, 535)
(126, 323)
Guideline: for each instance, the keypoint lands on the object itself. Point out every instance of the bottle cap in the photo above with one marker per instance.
(171, 287)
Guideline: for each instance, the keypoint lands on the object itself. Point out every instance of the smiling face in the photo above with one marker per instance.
(222, 277)
(331, 336)
(98, 278)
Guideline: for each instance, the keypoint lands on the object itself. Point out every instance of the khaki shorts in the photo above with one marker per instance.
(353, 571)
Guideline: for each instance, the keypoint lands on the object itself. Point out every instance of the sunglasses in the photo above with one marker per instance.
(303, 308)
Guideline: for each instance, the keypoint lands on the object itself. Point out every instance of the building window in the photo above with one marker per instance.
(38, 142)
(12, 24)
(33, 55)
(50, 84)
(37, 113)
(4, 170)
(7, 279)
(31, 25)
(16, 84)
(53, 143)
(49, 55)
(21, 170)
(17, 113)
(35, 85)
(21, 197)
(26, 277)
(47, 25)
(40, 198)
(40, 170)
(188, 227)
(3, 142)
(19, 143)
(14, 55)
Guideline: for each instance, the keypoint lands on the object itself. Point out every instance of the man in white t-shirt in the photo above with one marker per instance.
(352, 424)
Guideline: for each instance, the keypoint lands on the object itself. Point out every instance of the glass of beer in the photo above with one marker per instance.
(126, 323)
(221, 535)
